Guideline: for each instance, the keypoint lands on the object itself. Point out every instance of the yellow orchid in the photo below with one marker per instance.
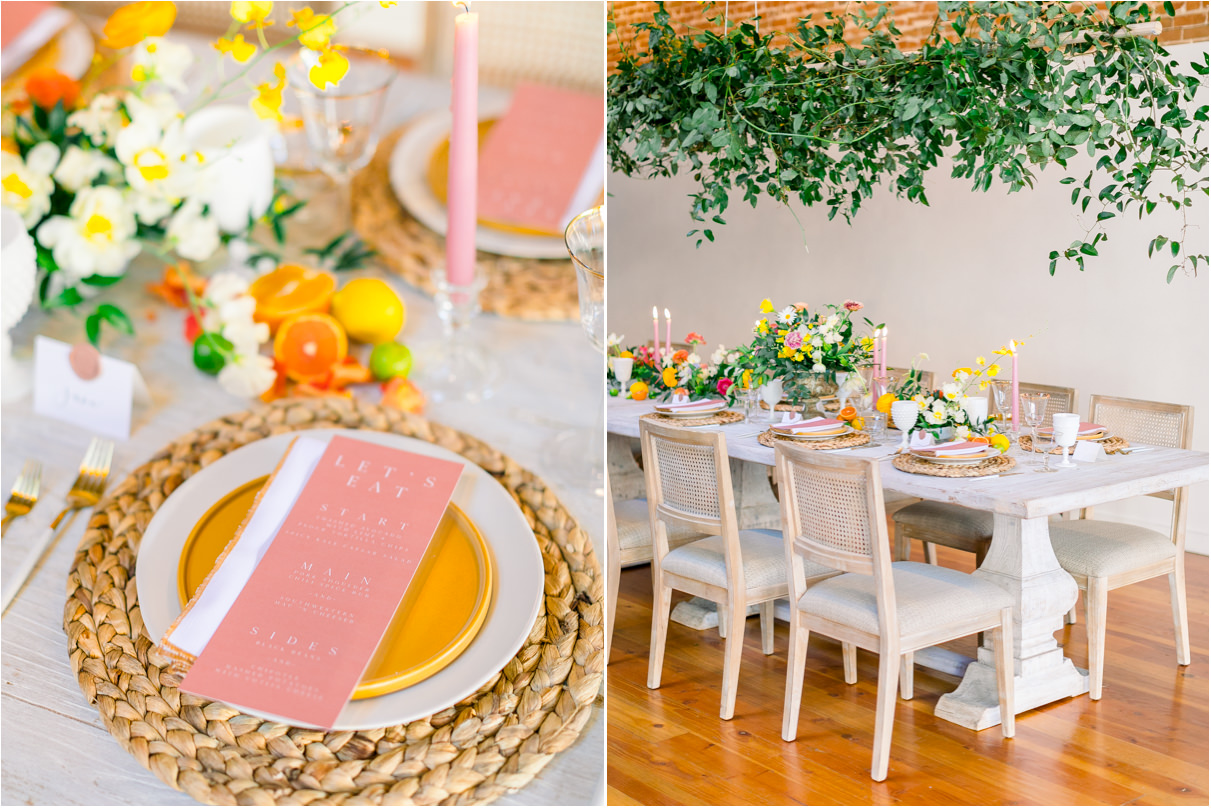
(331, 69)
(267, 103)
(993, 371)
(251, 12)
(240, 50)
(133, 23)
(314, 29)
(766, 306)
(386, 3)
(980, 361)
(957, 371)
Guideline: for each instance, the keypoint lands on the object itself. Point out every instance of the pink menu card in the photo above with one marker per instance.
(301, 632)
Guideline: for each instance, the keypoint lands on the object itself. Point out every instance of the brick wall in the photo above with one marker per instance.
(914, 19)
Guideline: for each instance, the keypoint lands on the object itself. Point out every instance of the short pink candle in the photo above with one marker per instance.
(464, 153)
(1013, 347)
(668, 332)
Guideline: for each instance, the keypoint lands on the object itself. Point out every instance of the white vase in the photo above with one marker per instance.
(20, 273)
(237, 163)
(976, 408)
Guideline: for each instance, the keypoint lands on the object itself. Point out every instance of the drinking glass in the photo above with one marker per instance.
(771, 394)
(748, 401)
(876, 427)
(1064, 426)
(1034, 411)
(622, 367)
(1002, 398)
(904, 416)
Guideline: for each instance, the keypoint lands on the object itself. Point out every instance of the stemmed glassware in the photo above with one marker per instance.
(622, 367)
(1002, 398)
(771, 394)
(1064, 426)
(748, 402)
(1034, 411)
(904, 416)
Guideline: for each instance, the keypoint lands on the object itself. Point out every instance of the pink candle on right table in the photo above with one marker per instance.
(655, 331)
(875, 356)
(883, 351)
(1013, 348)
(464, 152)
(668, 332)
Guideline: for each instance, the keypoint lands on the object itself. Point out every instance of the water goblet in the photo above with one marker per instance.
(1034, 411)
(1002, 398)
(904, 416)
(771, 394)
(622, 366)
(1064, 426)
(876, 427)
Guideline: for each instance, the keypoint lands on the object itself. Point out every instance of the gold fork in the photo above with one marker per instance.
(25, 493)
(85, 492)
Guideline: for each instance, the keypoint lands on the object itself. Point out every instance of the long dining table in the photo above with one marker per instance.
(1020, 558)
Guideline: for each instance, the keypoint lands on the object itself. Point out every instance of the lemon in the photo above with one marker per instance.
(369, 310)
(999, 442)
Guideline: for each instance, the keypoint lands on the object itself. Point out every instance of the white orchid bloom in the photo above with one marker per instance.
(192, 234)
(96, 238)
(933, 417)
(962, 432)
(100, 120)
(614, 340)
(26, 185)
(79, 167)
(247, 375)
(159, 60)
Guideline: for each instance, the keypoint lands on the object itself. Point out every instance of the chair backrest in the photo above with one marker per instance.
(1063, 399)
(689, 482)
(833, 515)
(896, 374)
(1150, 422)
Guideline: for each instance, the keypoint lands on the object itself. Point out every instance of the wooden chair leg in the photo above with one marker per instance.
(931, 553)
(849, 660)
(662, 604)
(733, 650)
(721, 610)
(1002, 639)
(796, 660)
(885, 710)
(1095, 633)
(615, 576)
(906, 675)
(981, 553)
(1181, 625)
(1070, 618)
(901, 544)
(766, 610)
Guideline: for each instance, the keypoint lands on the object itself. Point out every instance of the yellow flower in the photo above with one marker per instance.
(626, 355)
(763, 327)
(884, 402)
(669, 377)
(980, 361)
(746, 379)
(993, 370)
(386, 3)
(240, 50)
(13, 184)
(798, 357)
(866, 342)
(314, 29)
(253, 12)
(131, 24)
(786, 353)
(766, 306)
(268, 101)
(957, 371)
(330, 70)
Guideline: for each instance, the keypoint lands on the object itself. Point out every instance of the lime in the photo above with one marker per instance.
(390, 360)
(210, 351)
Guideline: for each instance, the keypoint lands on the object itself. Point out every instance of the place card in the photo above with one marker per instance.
(1088, 452)
(85, 388)
(298, 637)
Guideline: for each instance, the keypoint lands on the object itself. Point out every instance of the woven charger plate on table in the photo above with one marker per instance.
(491, 743)
(523, 288)
(915, 465)
(767, 438)
(1111, 445)
(725, 417)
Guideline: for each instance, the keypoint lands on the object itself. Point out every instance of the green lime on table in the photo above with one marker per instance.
(210, 351)
(390, 360)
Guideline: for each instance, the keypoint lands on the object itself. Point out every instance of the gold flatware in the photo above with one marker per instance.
(24, 495)
(85, 492)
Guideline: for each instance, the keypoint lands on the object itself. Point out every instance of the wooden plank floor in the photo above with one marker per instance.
(1144, 742)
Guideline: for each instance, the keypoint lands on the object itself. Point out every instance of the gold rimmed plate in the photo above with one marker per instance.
(959, 460)
(839, 432)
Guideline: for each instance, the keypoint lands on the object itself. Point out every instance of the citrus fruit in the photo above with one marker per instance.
(979, 439)
(308, 345)
(639, 391)
(999, 442)
(403, 395)
(369, 309)
(857, 423)
(210, 351)
(848, 414)
(884, 402)
(289, 290)
(390, 360)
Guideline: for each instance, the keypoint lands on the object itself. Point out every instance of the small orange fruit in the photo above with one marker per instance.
(979, 439)
(639, 391)
(308, 345)
(848, 414)
(289, 290)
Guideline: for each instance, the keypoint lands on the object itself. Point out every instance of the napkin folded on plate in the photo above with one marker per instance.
(704, 404)
(817, 424)
(190, 632)
(1085, 428)
(954, 448)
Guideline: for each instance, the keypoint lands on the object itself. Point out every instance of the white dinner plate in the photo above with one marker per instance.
(961, 460)
(515, 599)
(846, 430)
(408, 175)
(698, 413)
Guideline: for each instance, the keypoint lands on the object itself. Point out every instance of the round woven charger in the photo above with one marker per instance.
(725, 417)
(523, 288)
(767, 438)
(1112, 445)
(489, 744)
(915, 465)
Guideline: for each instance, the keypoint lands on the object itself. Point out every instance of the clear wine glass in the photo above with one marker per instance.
(1034, 411)
(1002, 399)
(748, 401)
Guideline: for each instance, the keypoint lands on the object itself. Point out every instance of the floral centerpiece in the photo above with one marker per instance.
(806, 349)
(659, 375)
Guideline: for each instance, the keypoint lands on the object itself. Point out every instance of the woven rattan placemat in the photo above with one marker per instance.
(1112, 445)
(491, 743)
(523, 288)
(915, 465)
(725, 417)
(849, 441)
(831, 405)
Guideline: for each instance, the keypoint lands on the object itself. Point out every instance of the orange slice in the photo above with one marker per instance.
(308, 345)
(979, 439)
(289, 290)
(847, 414)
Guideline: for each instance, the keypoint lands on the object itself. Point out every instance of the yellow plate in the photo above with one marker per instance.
(437, 620)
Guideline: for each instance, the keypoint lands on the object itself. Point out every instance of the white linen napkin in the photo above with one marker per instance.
(197, 624)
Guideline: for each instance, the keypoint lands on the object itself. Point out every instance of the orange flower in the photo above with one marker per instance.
(47, 87)
(681, 356)
(131, 24)
(171, 287)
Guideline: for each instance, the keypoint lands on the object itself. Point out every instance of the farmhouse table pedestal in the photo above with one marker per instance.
(1022, 562)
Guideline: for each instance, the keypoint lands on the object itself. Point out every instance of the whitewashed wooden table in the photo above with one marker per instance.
(55, 749)
(1020, 559)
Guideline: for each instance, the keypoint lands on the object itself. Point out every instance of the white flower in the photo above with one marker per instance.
(26, 185)
(157, 59)
(818, 357)
(962, 432)
(160, 109)
(226, 301)
(951, 391)
(921, 357)
(80, 167)
(614, 340)
(247, 375)
(155, 159)
(920, 399)
(693, 360)
(148, 208)
(192, 234)
(938, 405)
(96, 238)
(933, 417)
(831, 322)
(720, 355)
(246, 335)
(817, 368)
(787, 314)
(733, 357)
(817, 341)
(100, 120)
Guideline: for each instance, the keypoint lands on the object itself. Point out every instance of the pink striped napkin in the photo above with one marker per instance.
(818, 424)
(693, 405)
(955, 448)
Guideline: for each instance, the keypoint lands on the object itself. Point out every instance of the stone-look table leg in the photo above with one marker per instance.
(1021, 562)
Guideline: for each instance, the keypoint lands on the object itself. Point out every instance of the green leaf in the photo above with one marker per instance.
(1172, 271)
(92, 329)
(101, 280)
(1169, 9)
(1104, 215)
(116, 317)
(1088, 249)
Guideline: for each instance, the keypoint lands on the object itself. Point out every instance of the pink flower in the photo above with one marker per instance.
(724, 385)
(794, 340)
(694, 338)
(852, 305)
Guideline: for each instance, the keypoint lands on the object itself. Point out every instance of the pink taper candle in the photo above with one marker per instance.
(883, 351)
(1013, 348)
(668, 332)
(656, 331)
(464, 152)
(875, 356)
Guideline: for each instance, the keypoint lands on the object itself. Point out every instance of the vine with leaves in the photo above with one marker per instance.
(1002, 89)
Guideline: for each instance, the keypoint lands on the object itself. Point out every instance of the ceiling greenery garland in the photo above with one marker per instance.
(1002, 89)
